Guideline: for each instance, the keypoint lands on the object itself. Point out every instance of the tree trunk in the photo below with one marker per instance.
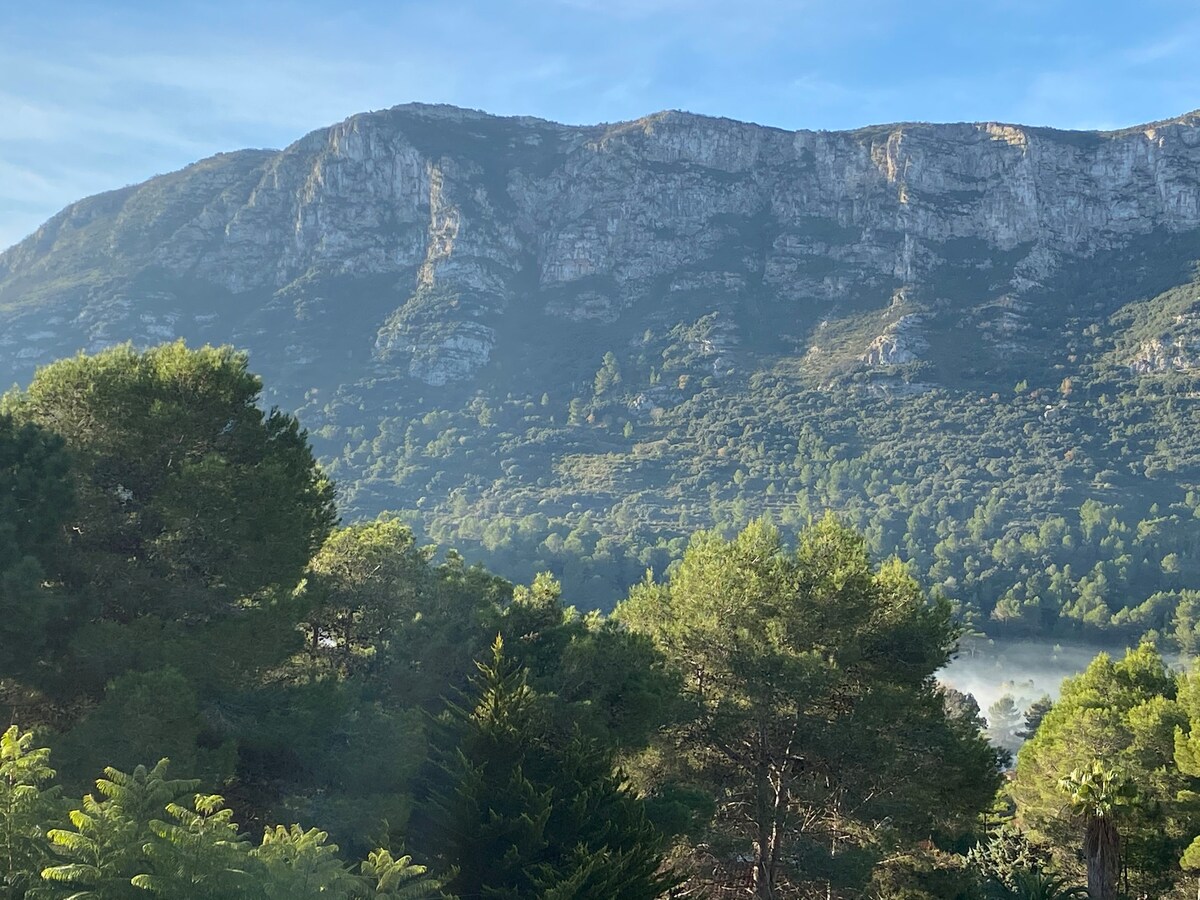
(1102, 846)
(765, 840)
(769, 807)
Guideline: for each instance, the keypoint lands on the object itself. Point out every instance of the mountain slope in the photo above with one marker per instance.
(544, 338)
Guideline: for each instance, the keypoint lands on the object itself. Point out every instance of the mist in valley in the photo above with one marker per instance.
(1025, 670)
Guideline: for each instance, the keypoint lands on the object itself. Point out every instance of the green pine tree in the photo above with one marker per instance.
(36, 495)
(517, 810)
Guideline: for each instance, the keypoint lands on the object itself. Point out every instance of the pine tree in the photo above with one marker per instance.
(814, 720)
(517, 811)
(36, 495)
(190, 497)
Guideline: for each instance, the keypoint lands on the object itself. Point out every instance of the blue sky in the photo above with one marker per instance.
(95, 95)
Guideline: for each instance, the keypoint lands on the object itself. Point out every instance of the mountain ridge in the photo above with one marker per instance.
(641, 328)
(204, 222)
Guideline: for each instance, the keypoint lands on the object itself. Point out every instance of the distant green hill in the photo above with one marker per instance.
(567, 348)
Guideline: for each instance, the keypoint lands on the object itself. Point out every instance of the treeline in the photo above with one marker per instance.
(379, 720)
(1064, 504)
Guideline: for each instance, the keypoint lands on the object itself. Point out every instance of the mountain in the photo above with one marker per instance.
(568, 346)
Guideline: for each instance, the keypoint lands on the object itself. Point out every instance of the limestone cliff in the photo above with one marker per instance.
(419, 240)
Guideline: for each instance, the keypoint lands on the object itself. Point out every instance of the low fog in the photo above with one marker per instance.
(1023, 670)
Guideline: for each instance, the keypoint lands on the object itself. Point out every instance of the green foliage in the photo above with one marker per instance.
(814, 716)
(608, 377)
(1040, 885)
(610, 684)
(190, 497)
(367, 582)
(148, 713)
(1034, 716)
(198, 854)
(327, 751)
(767, 703)
(398, 878)
(1004, 721)
(1047, 511)
(1117, 717)
(1190, 861)
(518, 811)
(104, 849)
(1095, 792)
(36, 496)
(152, 512)
(1006, 855)
(35, 490)
(27, 804)
(303, 865)
(135, 836)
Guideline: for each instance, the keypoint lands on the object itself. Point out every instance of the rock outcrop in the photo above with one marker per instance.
(420, 239)
(900, 344)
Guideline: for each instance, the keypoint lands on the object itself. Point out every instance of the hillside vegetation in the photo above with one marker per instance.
(183, 615)
(1059, 496)
(568, 348)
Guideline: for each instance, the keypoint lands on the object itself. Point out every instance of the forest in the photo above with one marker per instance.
(218, 689)
(1053, 497)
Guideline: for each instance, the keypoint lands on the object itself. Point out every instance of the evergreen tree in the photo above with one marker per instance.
(36, 497)
(190, 497)
(154, 714)
(814, 709)
(592, 674)
(1121, 716)
(517, 811)
(1004, 723)
(367, 582)
(1034, 716)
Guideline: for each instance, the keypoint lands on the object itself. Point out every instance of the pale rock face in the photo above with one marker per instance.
(459, 218)
(1153, 357)
(900, 344)
(455, 357)
(586, 306)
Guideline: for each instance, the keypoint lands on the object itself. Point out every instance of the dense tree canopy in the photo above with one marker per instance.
(814, 717)
(517, 809)
(36, 496)
(172, 585)
(1121, 718)
(189, 494)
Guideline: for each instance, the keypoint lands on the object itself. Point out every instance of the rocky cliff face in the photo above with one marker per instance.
(430, 241)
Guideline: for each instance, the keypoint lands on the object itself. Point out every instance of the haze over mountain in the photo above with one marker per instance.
(555, 340)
